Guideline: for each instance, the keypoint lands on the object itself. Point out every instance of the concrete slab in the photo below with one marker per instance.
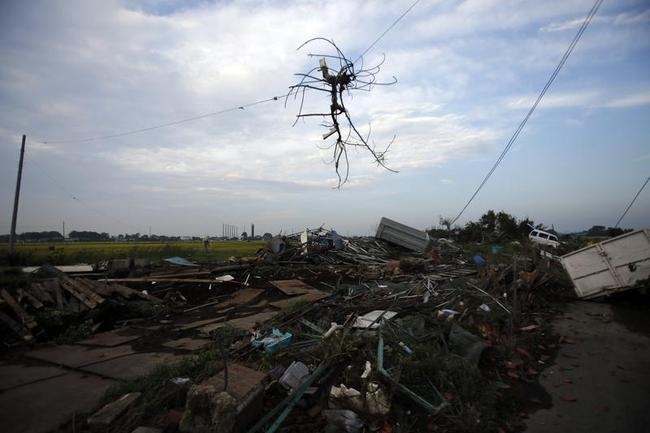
(190, 344)
(77, 356)
(129, 367)
(292, 287)
(13, 375)
(42, 406)
(112, 338)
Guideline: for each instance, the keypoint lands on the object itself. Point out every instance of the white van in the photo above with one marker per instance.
(544, 238)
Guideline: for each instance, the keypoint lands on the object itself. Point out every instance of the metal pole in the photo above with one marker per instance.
(12, 235)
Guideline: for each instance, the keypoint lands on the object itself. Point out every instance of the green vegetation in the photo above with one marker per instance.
(64, 253)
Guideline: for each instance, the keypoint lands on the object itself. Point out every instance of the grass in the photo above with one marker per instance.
(61, 253)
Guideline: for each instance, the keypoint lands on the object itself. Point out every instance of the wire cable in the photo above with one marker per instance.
(162, 125)
(555, 73)
(632, 202)
(397, 20)
(74, 197)
(216, 113)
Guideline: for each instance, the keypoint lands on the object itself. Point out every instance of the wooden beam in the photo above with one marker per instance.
(25, 317)
(15, 326)
(36, 303)
(70, 288)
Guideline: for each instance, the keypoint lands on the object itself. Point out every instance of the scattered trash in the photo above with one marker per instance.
(224, 278)
(294, 375)
(180, 380)
(180, 261)
(446, 314)
(373, 319)
(377, 401)
(367, 370)
(333, 328)
(342, 420)
(485, 308)
(479, 261)
(273, 343)
(466, 344)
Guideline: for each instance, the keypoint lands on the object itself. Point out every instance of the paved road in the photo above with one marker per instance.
(601, 380)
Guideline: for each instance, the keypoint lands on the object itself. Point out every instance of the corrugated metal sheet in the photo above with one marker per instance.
(402, 235)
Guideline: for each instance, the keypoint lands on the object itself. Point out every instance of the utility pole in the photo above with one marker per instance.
(12, 235)
(63, 233)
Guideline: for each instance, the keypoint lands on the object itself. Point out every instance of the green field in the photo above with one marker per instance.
(63, 253)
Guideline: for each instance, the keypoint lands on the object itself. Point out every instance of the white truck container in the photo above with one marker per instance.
(609, 266)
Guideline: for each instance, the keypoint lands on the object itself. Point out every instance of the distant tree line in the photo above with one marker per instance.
(501, 226)
(50, 236)
(601, 231)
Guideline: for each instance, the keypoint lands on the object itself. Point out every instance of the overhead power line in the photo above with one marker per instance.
(397, 20)
(214, 113)
(74, 197)
(163, 125)
(514, 136)
(632, 202)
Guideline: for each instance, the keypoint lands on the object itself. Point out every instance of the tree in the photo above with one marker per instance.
(507, 225)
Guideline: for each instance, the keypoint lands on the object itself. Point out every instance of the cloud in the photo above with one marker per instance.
(622, 19)
(555, 100)
(582, 98)
(639, 99)
(88, 69)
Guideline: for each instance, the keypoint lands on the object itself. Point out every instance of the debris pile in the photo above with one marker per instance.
(327, 333)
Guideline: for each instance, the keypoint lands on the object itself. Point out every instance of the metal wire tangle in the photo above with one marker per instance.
(339, 81)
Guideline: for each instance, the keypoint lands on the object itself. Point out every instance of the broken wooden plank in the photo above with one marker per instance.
(85, 289)
(36, 303)
(243, 296)
(70, 288)
(15, 327)
(101, 288)
(54, 287)
(25, 317)
(128, 292)
(292, 287)
(39, 292)
(160, 280)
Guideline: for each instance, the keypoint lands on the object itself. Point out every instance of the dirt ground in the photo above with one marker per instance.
(600, 381)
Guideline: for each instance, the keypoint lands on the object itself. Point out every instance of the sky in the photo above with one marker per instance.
(467, 72)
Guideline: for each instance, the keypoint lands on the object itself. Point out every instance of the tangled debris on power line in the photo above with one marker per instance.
(338, 81)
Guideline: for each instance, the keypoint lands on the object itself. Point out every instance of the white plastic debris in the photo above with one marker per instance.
(333, 328)
(376, 400)
(179, 380)
(367, 370)
(294, 375)
(373, 319)
(224, 278)
(405, 347)
(484, 307)
(345, 398)
(446, 314)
